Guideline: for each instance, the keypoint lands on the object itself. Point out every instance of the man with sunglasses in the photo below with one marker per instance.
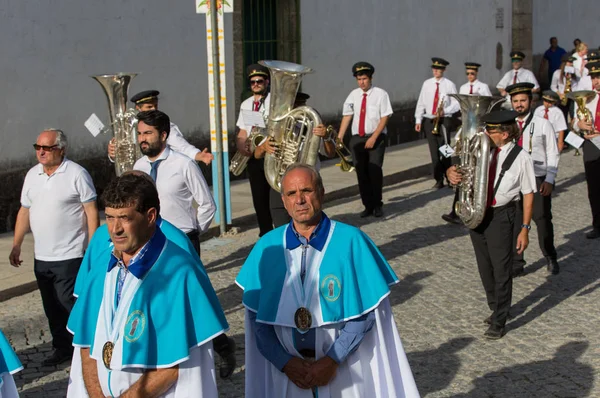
(474, 86)
(58, 204)
(258, 77)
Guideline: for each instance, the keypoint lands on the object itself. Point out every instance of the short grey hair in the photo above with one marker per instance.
(315, 174)
(61, 137)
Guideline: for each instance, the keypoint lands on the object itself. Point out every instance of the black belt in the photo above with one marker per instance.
(306, 353)
(193, 234)
(509, 205)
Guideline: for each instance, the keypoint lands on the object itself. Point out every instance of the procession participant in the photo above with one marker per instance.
(130, 344)
(58, 203)
(554, 115)
(433, 105)
(591, 153)
(9, 365)
(148, 101)
(552, 58)
(260, 101)
(585, 82)
(473, 85)
(580, 60)
(511, 173)
(539, 140)
(518, 74)
(561, 78)
(311, 321)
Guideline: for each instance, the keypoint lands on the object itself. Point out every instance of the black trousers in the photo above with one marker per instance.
(56, 280)
(279, 214)
(493, 243)
(542, 217)
(453, 209)
(592, 177)
(438, 162)
(194, 237)
(261, 191)
(369, 171)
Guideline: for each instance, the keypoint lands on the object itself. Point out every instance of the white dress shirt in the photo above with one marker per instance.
(178, 143)
(539, 140)
(425, 102)
(523, 76)
(555, 116)
(479, 88)
(519, 178)
(248, 105)
(577, 65)
(558, 85)
(378, 106)
(585, 83)
(180, 182)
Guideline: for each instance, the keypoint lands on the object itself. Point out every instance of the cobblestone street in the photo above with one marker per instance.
(551, 346)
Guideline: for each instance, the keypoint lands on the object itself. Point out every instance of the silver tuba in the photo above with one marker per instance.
(123, 121)
(290, 128)
(473, 147)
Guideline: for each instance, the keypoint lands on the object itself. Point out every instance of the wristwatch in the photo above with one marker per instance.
(526, 226)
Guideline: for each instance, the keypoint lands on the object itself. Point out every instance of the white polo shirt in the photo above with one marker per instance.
(518, 178)
(378, 106)
(555, 116)
(56, 214)
(179, 183)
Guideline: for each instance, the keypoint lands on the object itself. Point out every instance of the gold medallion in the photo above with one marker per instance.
(107, 352)
(303, 319)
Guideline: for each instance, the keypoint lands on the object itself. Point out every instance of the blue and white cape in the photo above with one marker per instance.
(9, 365)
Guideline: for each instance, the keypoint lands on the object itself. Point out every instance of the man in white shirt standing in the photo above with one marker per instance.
(434, 103)
(518, 74)
(369, 109)
(539, 140)
(554, 115)
(473, 86)
(58, 204)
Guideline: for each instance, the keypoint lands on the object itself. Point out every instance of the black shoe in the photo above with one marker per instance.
(439, 185)
(488, 320)
(516, 272)
(593, 234)
(452, 218)
(228, 360)
(365, 213)
(57, 358)
(552, 265)
(494, 333)
(377, 212)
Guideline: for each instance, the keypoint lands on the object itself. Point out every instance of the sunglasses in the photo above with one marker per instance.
(470, 73)
(259, 81)
(44, 147)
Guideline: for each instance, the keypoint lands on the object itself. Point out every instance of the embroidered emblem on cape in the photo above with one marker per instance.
(331, 288)
(134, 328)
(107, 351)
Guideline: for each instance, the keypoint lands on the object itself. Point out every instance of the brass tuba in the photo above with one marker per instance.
(581, 98)
(123, 121)
(473, 148)
(289, 128)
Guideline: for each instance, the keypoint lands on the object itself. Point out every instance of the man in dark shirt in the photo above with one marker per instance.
(552, 58)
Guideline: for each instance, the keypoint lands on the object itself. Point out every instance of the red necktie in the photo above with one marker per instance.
(520, 141)
(256, 106)
(546, 113)
(363, 114)
(597, 118)
(515, 78)
(492, 177)
(436, 98)
(471, 92)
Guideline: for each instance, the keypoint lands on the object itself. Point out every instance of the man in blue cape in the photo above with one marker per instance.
(146, 319)
(318, 318)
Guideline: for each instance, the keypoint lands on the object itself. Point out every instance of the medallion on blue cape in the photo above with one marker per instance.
(167, 317)
(9, 365)
(351, 278)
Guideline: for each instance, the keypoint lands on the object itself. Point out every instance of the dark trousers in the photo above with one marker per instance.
(439, 163)
(261, 191)
(493, 243)
(456, 193)
(369, 172)
(194, 237)
(542, 217)
(279, 214)
(56, 280)
(592, 176)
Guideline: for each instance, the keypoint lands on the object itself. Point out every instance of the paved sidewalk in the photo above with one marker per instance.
(402, 162)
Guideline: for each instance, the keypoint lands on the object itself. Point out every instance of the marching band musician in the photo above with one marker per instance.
(148, 101)
(560, 79)
(434, 94)
(591, 152)
(258, 77)
(518, 74)
(539, 140)
(511, 172)
(473, 85)
(369, 109)
(554, 115)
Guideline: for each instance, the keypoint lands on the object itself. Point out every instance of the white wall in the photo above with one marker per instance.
(398, 38)
(50, 48)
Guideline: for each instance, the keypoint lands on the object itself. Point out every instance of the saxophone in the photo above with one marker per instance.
(239, 161)
(568, 88)
(290, 129)
(438, 116)
(123, 121)
(473, 147)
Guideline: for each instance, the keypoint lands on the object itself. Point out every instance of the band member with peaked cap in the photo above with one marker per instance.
(518, 74)
(434, 92)
(551, 112)
(145, 320)
(473, 86)
(539, 140)
(591, 153)
(148, 101)
(318, 315)
(258, 78)
(559, 81)
(9, 365)
(511, 173)
(369, 109)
